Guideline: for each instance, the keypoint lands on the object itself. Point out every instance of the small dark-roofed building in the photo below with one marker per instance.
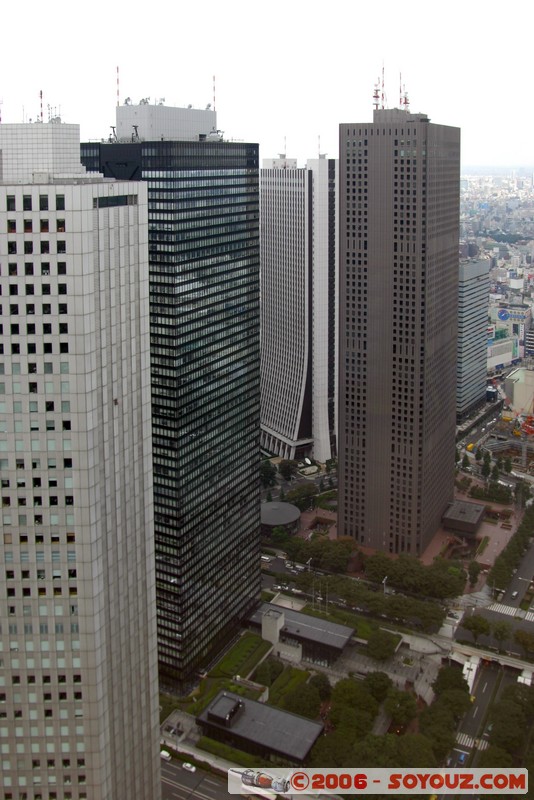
(277, 514)
(463, 517)
(258, 728)
(320, 640)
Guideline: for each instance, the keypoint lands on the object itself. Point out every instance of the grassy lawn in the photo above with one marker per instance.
(288, 680)
(363, 627)
(242, 658)
(168, 703)
(210, 687)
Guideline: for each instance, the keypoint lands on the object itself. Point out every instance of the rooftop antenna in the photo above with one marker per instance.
(404, 102)
(319, 145)
(383, 95)
(214, 93)
(1, 101)
(376, 95)
(41, 98)
(117, 86)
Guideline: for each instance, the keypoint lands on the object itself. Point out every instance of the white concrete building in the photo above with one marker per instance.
(298, 308)
(78, 677)
(471, 372)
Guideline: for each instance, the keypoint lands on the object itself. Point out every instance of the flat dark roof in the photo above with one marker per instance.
(306, 627)
(265, 725)
(278, 513)
(460, 511)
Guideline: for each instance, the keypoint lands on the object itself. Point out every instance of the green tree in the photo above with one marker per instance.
(495, 758)
(473, 570)
(486, 470)
(478, 454)
(450, 678)
(269, 497)
(376, 751)
(507, 464)
(322, 684)
(350, 693)
(456, 456)
(465, 461)
(401, 706)
(267, 474)
(477, 625)
(303, 700)
(303, 496)
(287, 469)
(279, 535)
(501, 631)
(415, 748)
(457, 701)
(378, 683)
(525, 640)
(381, 645)
(495, 473)
(333, 750)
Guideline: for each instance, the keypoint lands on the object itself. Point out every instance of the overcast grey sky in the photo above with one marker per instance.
(286, 72)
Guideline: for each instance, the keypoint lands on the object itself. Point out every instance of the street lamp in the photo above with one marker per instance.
(384, 583)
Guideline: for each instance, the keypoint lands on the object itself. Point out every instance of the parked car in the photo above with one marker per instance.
(165, 755)
(189, 767)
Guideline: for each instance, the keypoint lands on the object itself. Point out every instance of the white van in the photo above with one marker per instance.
(166, 756)
(266, 559)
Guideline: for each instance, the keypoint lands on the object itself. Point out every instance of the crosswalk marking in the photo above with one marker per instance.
(529, 616)
(503, 609)
(467, 741)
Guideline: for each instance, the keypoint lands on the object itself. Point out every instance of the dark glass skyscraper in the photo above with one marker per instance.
(204, 321)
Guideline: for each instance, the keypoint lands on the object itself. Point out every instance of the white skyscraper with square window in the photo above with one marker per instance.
(78, 653)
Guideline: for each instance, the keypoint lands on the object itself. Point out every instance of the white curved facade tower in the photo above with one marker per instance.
(298, 302)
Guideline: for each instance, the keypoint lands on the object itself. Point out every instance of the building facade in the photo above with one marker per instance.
(473, 293)
(298, 308)
(399, 223)
(79, 684)
(203, 200)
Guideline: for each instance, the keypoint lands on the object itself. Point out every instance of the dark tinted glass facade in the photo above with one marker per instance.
(204, 307)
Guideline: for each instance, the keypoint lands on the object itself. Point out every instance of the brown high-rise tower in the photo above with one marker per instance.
(399, 230)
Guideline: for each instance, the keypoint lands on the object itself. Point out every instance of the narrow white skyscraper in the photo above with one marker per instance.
(298, 308)
(78, 684)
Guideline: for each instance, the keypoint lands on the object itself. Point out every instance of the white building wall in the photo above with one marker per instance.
(77, 595)
(284, 306)
(472, 335)
(295, 242)
(322, 450)
(155, 122)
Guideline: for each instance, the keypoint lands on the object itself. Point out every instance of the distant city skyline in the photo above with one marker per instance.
(285, 77)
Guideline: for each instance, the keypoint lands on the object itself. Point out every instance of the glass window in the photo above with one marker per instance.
(43, 202)
(27, 202)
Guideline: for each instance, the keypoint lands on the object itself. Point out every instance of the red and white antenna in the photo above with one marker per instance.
(383, 95)
(376, 96)
(41, 98)
(404, 102)
(117, 86)
(214, 92)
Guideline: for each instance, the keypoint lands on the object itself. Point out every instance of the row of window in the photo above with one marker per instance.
(27, 202)
(44, 226)
(61, 247)
(29, 268)
(29, 289)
